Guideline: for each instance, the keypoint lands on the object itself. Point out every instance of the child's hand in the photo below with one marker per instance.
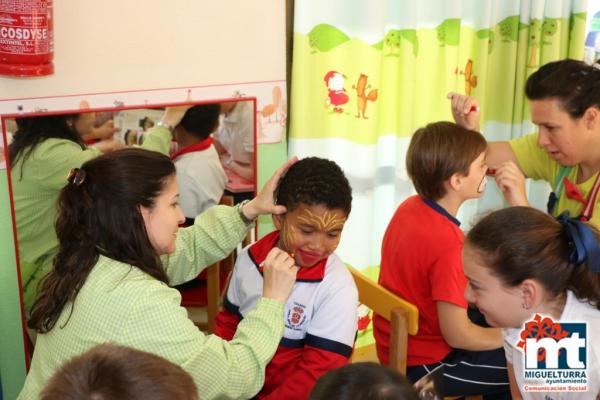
(279, 275)
(465, 110)
(264, 202)
(511, 181)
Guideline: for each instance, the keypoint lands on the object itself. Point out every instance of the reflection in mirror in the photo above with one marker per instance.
(212, 146)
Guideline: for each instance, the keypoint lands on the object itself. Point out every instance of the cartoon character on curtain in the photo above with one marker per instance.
(470, 77)
(362, 96)
(337, 93)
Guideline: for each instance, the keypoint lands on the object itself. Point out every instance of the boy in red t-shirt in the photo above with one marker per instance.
(421, 262)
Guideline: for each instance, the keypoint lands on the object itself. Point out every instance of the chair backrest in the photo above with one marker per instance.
(403, 316)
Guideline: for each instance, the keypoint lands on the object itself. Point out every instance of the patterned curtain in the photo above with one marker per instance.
(366, 74)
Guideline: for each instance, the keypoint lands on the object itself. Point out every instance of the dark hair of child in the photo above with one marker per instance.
(363, 381)
(314, 181)
(201, 120)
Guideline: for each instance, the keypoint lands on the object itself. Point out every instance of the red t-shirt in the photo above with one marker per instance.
(421, 262)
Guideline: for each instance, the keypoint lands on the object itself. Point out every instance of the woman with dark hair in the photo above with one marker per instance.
(565, 104)
(43, 151)
(120, 250)
(528, 273)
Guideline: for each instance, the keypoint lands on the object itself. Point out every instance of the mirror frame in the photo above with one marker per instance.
(262, 93)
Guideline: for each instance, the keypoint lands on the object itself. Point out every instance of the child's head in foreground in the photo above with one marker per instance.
(444, 158)
(363, 381)
(318, 199)
(111, 372)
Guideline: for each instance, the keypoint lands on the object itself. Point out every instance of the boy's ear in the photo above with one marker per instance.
(455, 181)
(591, 118)
(277, 221)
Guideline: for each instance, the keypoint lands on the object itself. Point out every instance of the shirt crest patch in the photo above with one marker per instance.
(295, 317)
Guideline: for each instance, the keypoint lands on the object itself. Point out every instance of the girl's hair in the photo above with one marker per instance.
(363, 381)
(574, 83)
(111, 372)
(31, 131)
(99, 213)
(519, 243)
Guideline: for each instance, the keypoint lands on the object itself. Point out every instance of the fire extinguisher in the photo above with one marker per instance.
(26, 38)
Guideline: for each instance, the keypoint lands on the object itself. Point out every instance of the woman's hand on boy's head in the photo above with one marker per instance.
(173, 115)
(511, 181)
(264, 202)
(465, 110)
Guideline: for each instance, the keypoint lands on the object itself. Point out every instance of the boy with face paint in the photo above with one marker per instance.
(321, 313)
(421, 262)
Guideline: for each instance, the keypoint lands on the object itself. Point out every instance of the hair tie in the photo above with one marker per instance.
(583, 245)
(76, 176)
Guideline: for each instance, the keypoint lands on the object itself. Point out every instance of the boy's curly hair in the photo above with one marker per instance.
(313, 181)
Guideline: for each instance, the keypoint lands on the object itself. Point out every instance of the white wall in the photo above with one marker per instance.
(109, 45)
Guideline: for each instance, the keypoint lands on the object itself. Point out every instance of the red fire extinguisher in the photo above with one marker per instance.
(26, 37)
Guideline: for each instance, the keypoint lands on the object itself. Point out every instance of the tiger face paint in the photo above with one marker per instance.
(310, 232)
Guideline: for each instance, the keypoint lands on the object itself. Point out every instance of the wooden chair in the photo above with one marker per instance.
(403, 317)
(214, 290)
(214, 273)
(404, 321)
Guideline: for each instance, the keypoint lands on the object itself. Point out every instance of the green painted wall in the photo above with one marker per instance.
(270, 157)
(12, 358)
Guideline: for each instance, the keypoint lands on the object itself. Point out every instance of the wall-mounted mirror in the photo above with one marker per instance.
(211, 143)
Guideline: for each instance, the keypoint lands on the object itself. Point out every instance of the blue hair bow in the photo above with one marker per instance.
(582, 241)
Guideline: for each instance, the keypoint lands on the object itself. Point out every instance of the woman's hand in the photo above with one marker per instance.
(465, 111)
(173, 115)
(511, 181)
(279, 275)
(264, 202)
